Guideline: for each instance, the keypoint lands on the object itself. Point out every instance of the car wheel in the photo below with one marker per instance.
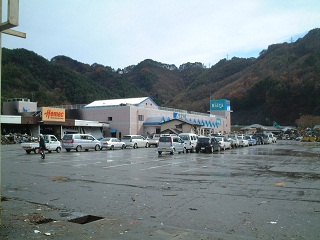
(97, 147)
(58, 149)
(212, 150)
(197, 151)
(135, 146)
(28, 151)
(147, 145)
(123, 146)
(159, 152)
(112, 147)
(184, 150)
(192, 150)
(68, 149)
(78, 148)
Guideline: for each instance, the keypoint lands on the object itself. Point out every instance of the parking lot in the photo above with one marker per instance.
(265, 192)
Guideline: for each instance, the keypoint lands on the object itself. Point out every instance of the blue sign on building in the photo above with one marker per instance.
(220, 105)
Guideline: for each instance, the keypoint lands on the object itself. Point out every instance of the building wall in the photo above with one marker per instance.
(148, 104)
(19, 107)
(130, 119)
(118, 117)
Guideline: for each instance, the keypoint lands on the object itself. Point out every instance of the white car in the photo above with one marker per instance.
(190, 140)
(223, 143)
(135, 141)
(154, 140)
(243, 142)
(112, 143)
(272, 137)
(234, 142)
(171, 144)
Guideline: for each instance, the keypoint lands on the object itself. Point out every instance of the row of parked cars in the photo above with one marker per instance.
(184, 142)
(188, 142)
(86, 141)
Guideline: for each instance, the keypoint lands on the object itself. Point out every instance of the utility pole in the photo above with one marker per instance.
(5, 27)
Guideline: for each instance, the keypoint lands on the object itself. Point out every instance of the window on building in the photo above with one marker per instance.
(140, 117)
(109, 118)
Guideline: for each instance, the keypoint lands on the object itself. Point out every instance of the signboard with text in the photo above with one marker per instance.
(220, 105)
(53, 114)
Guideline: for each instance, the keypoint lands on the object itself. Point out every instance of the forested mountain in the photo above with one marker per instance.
(280, 85)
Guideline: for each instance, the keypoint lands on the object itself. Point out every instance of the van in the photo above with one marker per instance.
(190, 140)
(135, 141)
(79, 142)
(171, 144)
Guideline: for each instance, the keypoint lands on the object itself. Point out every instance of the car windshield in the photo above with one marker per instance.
(67, 137)
(184, 137)
(203, 140)
(164, 139)
(219, 139)
(126, 137)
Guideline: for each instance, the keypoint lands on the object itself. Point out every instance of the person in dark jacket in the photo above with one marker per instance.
(42, 146)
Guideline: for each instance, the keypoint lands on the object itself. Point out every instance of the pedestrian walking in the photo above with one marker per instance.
(42, 146)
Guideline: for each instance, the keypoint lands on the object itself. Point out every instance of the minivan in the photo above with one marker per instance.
(171, 144)
(80, 141)
(135, 141)
(190, 140)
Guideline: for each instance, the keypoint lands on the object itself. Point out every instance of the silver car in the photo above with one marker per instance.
(171, 144)
(79, 142)
(112, 143)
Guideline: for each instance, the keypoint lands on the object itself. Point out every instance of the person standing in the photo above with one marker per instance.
(42, 146)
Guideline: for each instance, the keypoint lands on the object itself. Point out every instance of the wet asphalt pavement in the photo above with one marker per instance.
(259, 192)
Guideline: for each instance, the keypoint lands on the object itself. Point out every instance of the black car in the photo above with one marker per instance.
(207, 144)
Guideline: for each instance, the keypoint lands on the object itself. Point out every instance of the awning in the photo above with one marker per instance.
(113, 130)
(153, 121)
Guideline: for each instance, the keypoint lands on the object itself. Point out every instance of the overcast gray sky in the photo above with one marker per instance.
(120, 33)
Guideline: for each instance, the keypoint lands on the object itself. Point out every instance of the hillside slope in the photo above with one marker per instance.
(280, 85)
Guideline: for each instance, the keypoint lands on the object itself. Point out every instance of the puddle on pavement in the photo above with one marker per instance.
(278, 152)
(298, 175)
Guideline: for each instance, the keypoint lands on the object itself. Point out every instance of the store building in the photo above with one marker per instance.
(23, 117)
(144, 117)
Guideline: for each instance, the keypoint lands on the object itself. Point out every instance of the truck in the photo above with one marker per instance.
(52, 144)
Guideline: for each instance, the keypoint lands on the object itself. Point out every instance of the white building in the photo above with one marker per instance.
(143, 116)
